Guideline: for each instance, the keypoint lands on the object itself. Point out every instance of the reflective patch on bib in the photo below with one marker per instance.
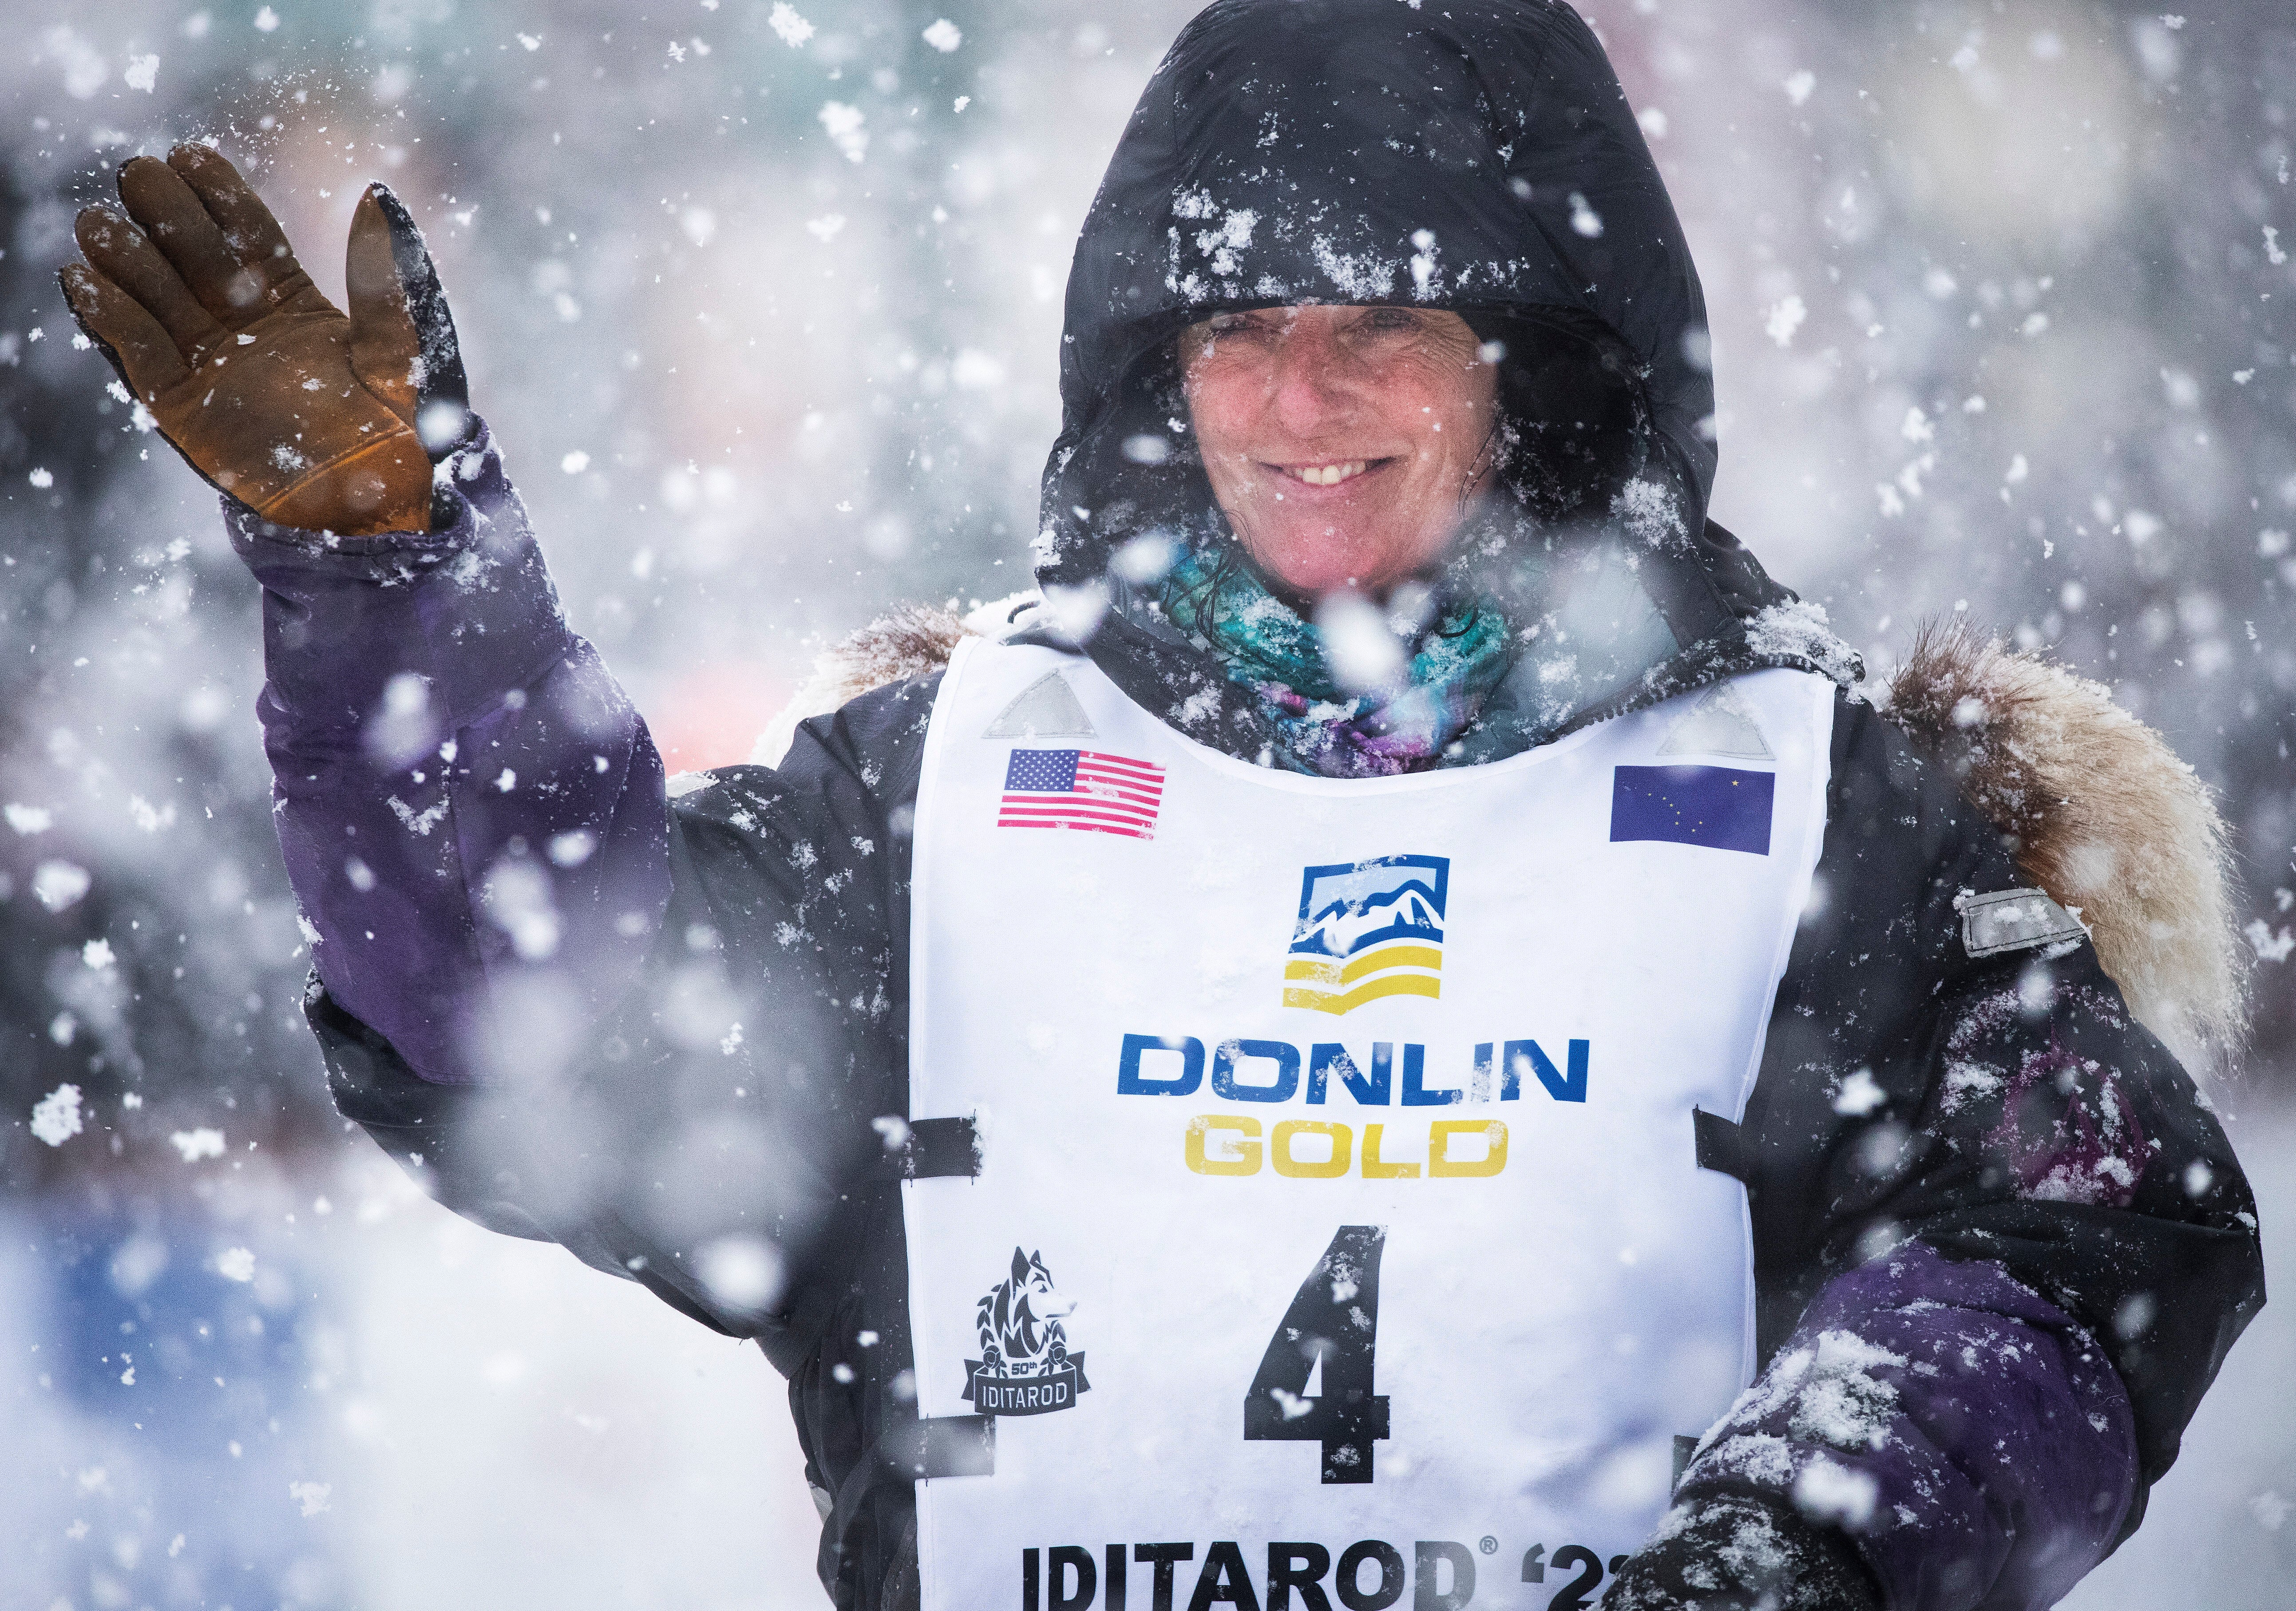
(1046, 707)
(1718, 723)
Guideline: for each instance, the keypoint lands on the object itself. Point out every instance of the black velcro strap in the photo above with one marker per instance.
(940, 1148)
(1721, 1145)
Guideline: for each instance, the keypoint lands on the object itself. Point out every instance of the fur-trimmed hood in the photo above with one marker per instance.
(2103, 815)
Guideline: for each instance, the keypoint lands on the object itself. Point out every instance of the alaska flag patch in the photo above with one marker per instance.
(1718, 806)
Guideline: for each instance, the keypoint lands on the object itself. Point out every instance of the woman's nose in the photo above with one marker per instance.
(1309, 379)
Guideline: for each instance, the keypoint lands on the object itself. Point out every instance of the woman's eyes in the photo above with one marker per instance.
(1389, 324)
(1377, 324)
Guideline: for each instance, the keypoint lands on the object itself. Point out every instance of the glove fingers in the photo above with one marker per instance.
(171, 214)
(248, 227)
(124, 255)
(385, 353)
(403, 342)
(145, 354)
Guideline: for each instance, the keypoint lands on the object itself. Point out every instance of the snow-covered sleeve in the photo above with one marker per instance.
(725, 1131)
(470, 812)
(2001, 1242)
(1968, 1434)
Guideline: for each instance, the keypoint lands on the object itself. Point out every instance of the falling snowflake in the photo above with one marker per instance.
(740, 1271)
(197, 1144)
(2269, 946)
(58, 883)
(1825, 1492)
(55, 1118)
(794, 31)
(1859, 1095)
(844, 126)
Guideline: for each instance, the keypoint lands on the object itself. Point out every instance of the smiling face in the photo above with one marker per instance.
(1342, 443)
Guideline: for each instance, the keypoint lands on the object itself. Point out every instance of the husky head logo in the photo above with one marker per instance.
(1020, 1323)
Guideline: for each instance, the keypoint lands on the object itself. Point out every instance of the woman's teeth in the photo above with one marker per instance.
(1327, 476)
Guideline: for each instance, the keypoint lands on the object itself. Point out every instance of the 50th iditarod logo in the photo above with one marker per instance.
(1025, 1367)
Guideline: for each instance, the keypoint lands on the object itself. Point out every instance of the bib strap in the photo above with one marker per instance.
(940, 1148)
(1721, 1145)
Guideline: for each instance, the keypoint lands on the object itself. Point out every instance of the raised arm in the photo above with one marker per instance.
(666, 1044)
(471, 812)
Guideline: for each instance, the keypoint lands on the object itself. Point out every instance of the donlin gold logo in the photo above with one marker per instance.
(1365, 930)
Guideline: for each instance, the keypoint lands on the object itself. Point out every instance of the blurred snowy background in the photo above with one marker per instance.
(764, 303)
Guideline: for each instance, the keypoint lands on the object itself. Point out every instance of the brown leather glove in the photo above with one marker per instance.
(311, 419)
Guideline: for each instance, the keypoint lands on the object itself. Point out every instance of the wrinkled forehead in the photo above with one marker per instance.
(1286, 315)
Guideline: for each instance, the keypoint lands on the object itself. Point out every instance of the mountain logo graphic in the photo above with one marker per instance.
(1025, 1367)
(1368, 929)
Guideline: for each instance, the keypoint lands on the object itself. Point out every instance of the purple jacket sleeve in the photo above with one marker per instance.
(1975, 1442)
(470, 811)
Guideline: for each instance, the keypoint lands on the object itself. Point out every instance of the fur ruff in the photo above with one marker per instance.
(2102, 815)
(2100, 812)
(909, 640)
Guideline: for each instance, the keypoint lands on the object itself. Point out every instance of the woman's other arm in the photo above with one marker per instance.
(2002, 1243)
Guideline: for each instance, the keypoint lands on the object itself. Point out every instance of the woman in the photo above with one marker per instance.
(1496, 992)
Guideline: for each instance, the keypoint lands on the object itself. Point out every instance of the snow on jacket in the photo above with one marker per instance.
(2001, 1244)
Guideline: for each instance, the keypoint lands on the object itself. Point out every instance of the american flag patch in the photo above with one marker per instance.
(1081, 789)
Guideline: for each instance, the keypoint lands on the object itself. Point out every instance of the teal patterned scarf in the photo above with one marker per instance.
(1267, 647)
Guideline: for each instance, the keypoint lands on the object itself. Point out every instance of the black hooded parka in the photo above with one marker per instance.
(1477, 155)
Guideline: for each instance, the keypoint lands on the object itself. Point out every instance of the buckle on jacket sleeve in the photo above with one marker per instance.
(2014, 920)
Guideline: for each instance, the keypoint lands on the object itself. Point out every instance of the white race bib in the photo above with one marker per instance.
(1339, 1233)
